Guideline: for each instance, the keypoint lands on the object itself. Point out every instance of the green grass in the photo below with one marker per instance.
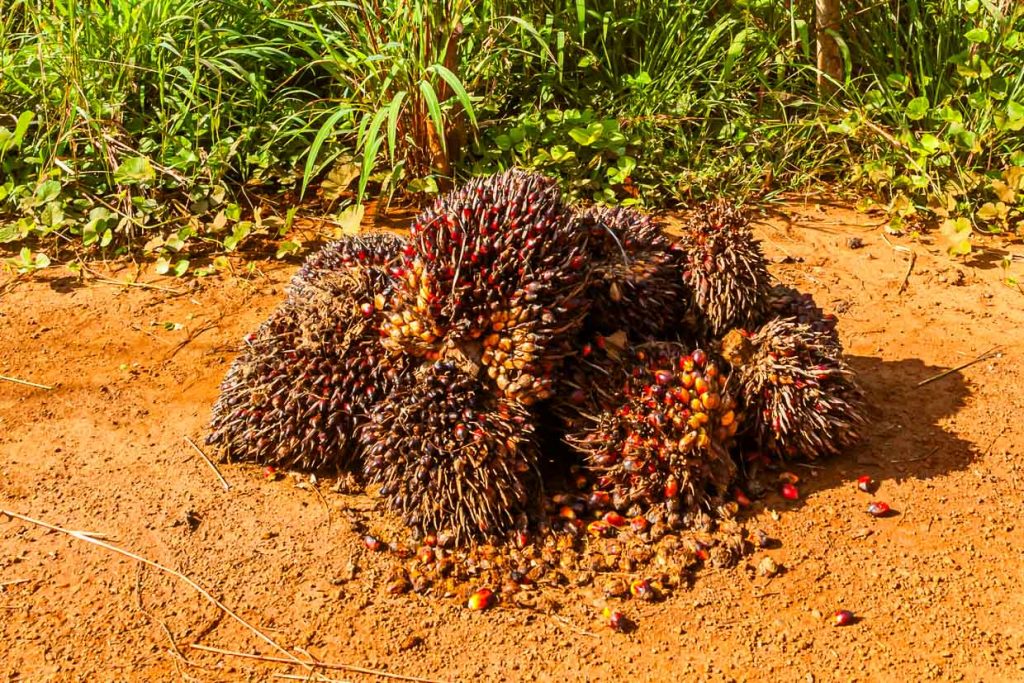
(181, 127)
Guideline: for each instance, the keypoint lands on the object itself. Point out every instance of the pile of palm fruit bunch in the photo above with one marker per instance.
(432, 364)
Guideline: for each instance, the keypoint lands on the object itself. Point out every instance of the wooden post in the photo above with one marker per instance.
(830, 64)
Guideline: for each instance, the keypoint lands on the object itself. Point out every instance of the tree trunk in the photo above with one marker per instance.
(830, 64)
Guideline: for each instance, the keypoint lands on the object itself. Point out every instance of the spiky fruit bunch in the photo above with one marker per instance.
(449, 456)
(590, 383)
(307, 376)
(725, 268)
(662, 452)
(495, 275)
(635, 277)
(377, 253)
(787, 302)
(800, 395)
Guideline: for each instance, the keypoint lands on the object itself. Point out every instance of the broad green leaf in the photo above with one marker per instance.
(931, 143)
(181, 267)
(958, 232)
(560, 153)
(47, 192)
(287, 248)
(897, 81)
(9, 232)
(238, 233)
(987, 212)
(1003, 191)
(350, 219)
(917, 108)
(977, 35)
(51, 216)
(134, 171)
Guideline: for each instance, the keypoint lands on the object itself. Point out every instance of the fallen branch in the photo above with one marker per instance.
(292, 659)
(144, 285)
(316, 664)
(15, 380)
(910, 265)
(188, 340)
(985, 356)
(293, 677)
(223, 481)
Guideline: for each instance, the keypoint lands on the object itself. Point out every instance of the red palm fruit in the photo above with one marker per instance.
(614, 519)
(843, 617)
(879, 509)
(481, 599)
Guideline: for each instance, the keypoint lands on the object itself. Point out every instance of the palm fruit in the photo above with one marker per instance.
(787, 302)
(724, 268)
(635, 283)
(799, 394)
(451, 456)
(662, 451)
(494, 276)
(307, 376)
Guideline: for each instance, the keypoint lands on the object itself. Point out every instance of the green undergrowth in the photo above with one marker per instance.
(181, 130)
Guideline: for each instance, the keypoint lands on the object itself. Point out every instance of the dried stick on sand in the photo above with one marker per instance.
(223, 481)
(24, 382)
(317, 664)
(985, 356)
(289, 659)
(138, 558)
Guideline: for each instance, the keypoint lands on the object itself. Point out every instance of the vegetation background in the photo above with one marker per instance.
(181, 130)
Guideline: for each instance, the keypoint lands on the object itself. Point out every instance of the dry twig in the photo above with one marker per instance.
(188, 340)
(292, 659)
(910, 264)
(223, 481)
(293, 677)
(15, 380)
(985, 356)
(144, 285)
(315, 664)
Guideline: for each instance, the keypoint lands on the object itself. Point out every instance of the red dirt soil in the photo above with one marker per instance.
(938, 589)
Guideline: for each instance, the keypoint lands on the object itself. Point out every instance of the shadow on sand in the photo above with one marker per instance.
(904, 437)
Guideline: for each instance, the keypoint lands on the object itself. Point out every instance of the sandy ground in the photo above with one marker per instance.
(938, 588)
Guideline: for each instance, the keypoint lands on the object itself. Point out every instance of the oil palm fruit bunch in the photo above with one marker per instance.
(450, 455)
(787, 302)
(662, 452)
(635, 283)
(494, 274)
(799, 394)
(590, 381)
(308, 374)
(724, 268)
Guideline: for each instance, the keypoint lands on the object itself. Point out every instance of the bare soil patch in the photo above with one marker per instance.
(938, 588)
